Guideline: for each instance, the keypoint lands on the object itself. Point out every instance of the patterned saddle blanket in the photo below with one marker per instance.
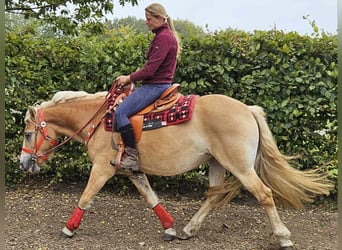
(180, 112)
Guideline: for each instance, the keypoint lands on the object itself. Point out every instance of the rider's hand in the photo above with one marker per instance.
(123, 80)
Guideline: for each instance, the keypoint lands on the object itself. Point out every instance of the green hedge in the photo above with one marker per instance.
(293, 77)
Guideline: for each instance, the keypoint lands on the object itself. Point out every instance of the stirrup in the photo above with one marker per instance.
(134, 170)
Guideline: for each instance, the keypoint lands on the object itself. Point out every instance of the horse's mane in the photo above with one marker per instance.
(62, 97)
(66, 96)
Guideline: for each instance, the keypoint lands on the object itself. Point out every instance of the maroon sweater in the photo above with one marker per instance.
(161, 58)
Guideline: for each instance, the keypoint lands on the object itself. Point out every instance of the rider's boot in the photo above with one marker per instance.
(130, 158)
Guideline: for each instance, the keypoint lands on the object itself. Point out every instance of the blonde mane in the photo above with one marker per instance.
(61, 97)
(65, 96)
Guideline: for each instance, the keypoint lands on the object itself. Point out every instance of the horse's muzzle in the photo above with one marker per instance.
(28, 163)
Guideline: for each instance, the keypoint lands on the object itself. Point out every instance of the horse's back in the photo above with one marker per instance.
(225, 113)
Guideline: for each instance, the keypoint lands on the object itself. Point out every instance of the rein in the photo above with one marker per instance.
(41, 126)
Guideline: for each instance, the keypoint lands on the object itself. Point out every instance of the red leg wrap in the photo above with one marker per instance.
(75, 219)
(165, 218)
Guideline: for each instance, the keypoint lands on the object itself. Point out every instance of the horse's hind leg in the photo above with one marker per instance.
(144, 187)
(216, 180)
(98, 177)
(263, 194)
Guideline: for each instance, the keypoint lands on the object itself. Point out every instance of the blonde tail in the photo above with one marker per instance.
(290, 186)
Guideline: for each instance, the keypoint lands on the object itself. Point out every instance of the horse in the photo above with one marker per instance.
(223, 133)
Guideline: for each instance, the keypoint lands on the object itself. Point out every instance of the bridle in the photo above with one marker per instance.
(41, 126)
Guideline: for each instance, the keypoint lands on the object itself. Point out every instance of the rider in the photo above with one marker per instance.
(155, 76)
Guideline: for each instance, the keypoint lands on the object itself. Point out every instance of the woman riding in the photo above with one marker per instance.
(155, 76)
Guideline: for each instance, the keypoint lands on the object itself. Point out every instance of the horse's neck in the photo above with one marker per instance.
(67, 118)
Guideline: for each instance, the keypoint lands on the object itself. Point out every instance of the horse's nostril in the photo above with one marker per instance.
(22, 167)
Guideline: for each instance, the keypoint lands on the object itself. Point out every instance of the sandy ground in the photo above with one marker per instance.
(35, 216)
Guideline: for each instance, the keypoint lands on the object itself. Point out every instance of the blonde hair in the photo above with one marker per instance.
(157, 10)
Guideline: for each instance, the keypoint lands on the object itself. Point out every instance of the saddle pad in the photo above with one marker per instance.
(180, 112)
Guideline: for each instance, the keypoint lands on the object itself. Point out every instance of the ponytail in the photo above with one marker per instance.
(175, 33)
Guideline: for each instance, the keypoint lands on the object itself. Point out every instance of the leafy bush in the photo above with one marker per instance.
(293, 77)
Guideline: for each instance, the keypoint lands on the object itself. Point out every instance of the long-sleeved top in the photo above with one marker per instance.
(161, 58)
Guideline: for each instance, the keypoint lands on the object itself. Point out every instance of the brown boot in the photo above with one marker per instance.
(130, 160)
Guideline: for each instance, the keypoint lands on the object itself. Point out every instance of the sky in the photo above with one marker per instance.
(247, 15)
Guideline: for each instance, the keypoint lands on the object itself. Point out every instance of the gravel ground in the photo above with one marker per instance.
(36, 214)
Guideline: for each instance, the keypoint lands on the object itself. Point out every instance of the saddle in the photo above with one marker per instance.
(170, 99)
(164, 102)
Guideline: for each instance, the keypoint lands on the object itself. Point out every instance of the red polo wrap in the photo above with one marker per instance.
(165, 218)
(75, 219)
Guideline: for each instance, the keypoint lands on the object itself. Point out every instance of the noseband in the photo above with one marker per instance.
(41, 127)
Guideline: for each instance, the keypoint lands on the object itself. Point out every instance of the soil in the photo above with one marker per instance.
(35, 215)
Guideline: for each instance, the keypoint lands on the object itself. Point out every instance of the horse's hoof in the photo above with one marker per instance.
(67, 233)
(184, 236)
(286, 248)
(169, 234)
(167, 237)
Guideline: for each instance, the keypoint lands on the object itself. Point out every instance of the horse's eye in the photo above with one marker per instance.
(28, 135)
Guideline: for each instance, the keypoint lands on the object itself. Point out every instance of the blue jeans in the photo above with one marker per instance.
(139, 99)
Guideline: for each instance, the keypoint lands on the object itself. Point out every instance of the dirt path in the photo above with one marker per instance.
(36, 215)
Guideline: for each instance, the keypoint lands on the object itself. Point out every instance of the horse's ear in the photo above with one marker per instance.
(32, 111)
(30, 114)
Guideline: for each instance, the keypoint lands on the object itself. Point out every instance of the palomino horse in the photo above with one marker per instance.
(223, 132)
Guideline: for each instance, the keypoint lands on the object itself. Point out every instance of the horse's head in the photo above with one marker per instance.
(38, 143)
(40, 134)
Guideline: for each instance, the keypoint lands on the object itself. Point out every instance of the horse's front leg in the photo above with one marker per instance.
(99, 175)
(144, 187)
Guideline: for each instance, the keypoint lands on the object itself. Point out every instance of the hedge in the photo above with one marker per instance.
(293, 77)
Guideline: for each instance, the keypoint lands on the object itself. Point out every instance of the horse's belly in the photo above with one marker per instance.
(172, 150)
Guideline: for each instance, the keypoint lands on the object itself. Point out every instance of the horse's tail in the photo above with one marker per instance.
(290, 186)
